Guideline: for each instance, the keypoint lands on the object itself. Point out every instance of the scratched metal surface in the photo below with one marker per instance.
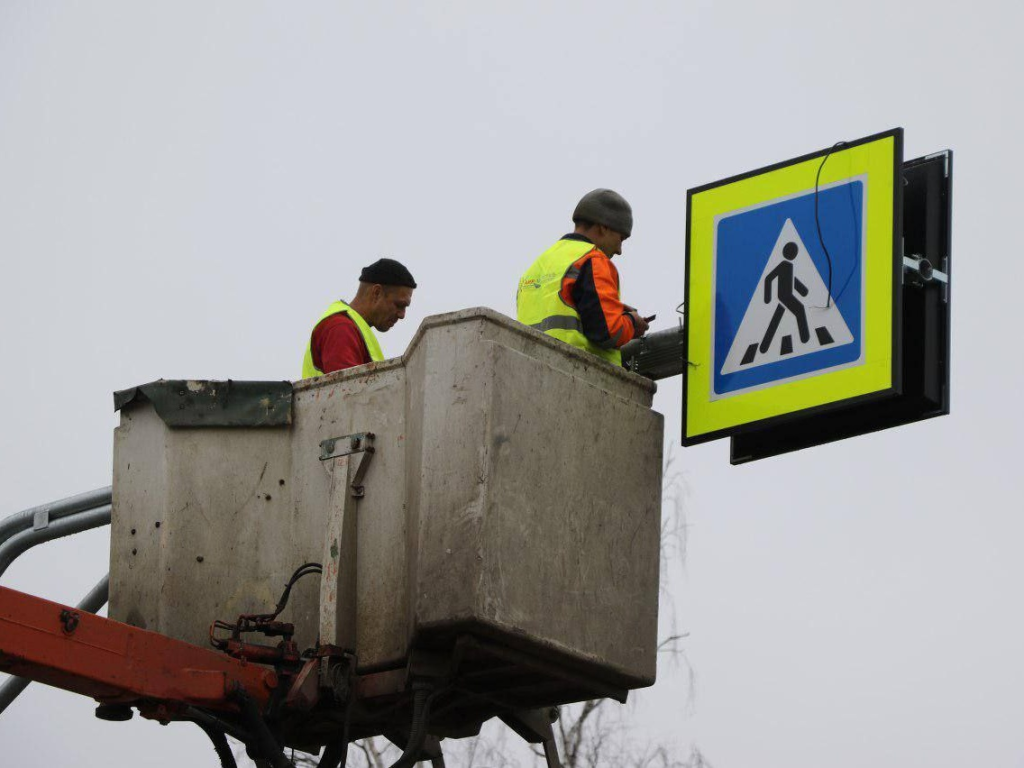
(514, 493)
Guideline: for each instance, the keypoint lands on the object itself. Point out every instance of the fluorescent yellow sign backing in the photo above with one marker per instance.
(780, 319)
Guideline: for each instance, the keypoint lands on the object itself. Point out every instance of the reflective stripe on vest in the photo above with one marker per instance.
(309, 370)
(539, 303)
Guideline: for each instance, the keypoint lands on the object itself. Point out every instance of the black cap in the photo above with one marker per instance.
(387, 272)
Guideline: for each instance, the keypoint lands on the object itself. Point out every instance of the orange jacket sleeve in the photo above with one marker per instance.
(594, 293)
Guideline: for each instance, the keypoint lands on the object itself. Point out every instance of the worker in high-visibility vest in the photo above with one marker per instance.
(571, 292)
(343, 336)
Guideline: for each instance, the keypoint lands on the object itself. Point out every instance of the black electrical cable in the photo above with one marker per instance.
(817, 220)
(857, 245)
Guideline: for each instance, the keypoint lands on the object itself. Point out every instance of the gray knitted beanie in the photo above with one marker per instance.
(603, 206)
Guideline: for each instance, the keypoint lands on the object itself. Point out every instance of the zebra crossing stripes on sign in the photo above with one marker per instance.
(775, 319)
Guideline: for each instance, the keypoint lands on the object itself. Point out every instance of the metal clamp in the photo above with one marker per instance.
(333, 447)
(923, 269)
(347, 445)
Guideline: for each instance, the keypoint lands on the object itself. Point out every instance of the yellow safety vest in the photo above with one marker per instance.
(309, 370)
(539, 305)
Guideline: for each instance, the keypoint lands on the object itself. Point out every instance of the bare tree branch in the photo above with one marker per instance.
(669, 644)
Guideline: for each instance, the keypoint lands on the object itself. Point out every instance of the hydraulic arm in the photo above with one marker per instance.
(117, 664)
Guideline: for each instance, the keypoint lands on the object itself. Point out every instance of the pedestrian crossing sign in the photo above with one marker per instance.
(792, 289)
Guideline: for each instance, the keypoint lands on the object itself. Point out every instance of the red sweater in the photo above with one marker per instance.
(337, 344)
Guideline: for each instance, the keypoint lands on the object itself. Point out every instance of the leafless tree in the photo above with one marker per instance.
(489, 751)
(596, 733)
(365, 753)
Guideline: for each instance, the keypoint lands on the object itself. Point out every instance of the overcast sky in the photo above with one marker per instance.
(185, 186)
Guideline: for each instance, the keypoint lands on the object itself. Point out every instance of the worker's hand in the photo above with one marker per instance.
(639, 323)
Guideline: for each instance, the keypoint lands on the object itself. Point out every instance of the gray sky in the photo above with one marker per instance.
(184, 187)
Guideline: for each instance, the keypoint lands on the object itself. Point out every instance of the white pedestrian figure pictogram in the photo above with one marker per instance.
(789, 313)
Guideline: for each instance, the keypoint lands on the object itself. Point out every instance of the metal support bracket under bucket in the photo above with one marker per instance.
(349, 457)
(360, 442)
(535, 726)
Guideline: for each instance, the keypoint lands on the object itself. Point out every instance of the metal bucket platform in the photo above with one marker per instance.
(507, 518)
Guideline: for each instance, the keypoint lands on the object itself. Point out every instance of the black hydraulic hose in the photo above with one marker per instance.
(220, 746)
(334, 755)
(202, 718)
(266, 744)
(303, 570)
(418, 731)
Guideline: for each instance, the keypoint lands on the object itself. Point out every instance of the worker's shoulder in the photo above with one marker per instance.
(593, 254)
(599, 261)
(339, 320)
